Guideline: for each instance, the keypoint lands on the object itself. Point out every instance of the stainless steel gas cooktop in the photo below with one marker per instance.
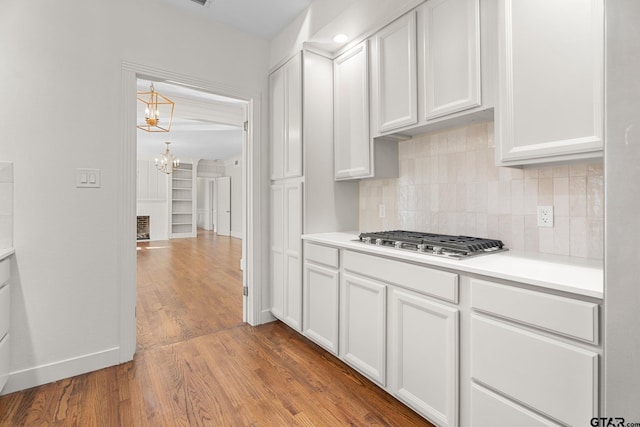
(455, 247)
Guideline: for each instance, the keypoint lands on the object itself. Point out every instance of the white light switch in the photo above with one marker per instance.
(87, 178)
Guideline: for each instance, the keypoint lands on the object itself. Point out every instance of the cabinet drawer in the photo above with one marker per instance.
(577, 319)
(424, 280)
(489, 409)
(557, 379)
(4, 271)
(4, 361)
(5, 298)
(322, 254)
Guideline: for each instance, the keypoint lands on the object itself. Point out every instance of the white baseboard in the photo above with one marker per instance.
(43, 374)
(266, 317)
(236, 234)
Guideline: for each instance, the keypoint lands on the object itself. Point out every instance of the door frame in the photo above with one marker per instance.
(251, 201)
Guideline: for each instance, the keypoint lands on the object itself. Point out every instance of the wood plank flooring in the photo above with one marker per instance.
(197, 364)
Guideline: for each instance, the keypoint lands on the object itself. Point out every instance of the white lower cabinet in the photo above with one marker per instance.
(5, 311)
(4, 361)
(554, 378)
(423, 355)
(537, 351)
(459, 350)
(363, 325)
(321, 291)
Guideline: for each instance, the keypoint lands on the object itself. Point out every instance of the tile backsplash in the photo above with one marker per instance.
(448, 183)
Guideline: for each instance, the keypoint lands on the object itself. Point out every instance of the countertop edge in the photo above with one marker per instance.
(590, 277)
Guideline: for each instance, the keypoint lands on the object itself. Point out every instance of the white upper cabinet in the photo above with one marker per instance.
(352, 144)
(285, 88)
(551, 81)
(394, 75)
(451, 57)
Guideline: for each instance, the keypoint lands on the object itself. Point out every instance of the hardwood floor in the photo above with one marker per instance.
(197, 364)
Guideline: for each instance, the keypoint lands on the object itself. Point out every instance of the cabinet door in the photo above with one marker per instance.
(551, 80)
(352, 145)
(292, 255)
(395, 95)
(277, 250)
(285, 89)
(278, 122)
(321, 290)
(451, 56)
(423, 355)
(293, 128)
(362, 326)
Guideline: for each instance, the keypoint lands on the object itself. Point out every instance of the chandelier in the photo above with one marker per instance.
(167, 162)
(158, 111)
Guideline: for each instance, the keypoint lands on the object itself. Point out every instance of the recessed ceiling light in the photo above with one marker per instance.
(340, 38)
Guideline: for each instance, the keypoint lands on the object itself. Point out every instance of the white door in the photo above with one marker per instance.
(223, 197)
(213, 212)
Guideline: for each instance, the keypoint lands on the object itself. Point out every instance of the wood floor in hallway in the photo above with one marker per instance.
(197, 364)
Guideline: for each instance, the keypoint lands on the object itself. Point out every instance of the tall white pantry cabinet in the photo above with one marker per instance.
(304, 197)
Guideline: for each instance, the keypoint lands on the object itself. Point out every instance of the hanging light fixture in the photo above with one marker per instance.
(158, 111)
(167, 162)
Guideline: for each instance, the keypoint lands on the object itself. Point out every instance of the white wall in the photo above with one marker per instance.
(323, 19)
(6, 205)
(64, 60)
(233, 168)
(202, 203)
(158, 212)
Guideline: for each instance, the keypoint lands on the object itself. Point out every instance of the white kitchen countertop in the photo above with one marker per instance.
(575, 275)
(6, 252)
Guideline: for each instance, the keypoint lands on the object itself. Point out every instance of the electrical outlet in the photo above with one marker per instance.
(545, 216)
(381, 211)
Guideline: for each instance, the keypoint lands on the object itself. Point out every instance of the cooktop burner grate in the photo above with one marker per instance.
(456, 247)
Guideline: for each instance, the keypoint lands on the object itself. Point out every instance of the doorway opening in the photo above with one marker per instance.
(250, 212)
(207, 137)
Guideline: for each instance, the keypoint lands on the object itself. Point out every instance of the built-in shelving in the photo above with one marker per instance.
(182, 202)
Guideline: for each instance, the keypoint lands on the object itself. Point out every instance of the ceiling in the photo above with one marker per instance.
(207, 126)
(263, 18)
(204, 126)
